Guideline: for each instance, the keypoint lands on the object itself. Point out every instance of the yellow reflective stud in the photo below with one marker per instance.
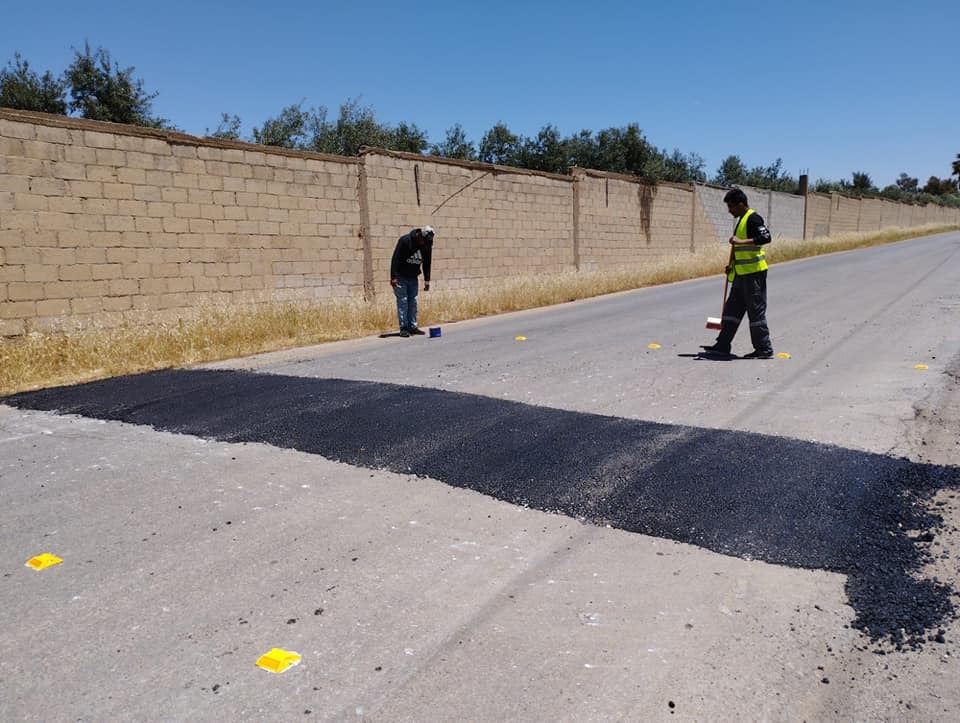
(278, 660)
(519, 338)
(42, 561)
(653, 346)
(783, 355)
(921, 367)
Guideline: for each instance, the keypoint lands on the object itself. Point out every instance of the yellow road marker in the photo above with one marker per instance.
(45, 560)
(783, 355)
(519, 338)
(653, 346)
(278, 660)
(921, 367)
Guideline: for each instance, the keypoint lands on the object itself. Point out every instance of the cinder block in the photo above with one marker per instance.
(62, 169)
(199, 196)
(13, 272)
(186, 210)
(12, 327)
(86, 305)
(100, 272)
(100, 206)
(134, 239)
(205, 284)
(30, 202)
(140, 160)
(210, 183)
(38, 273)
(89, 289)
(73, 238)
(148, 225)
(200, 225)
(153, 287)
(119, 223)
(123, 287)
(18, 309)
(147, 193)
(181, 285)
(185, 180)
(65, 204)
(117, 303)
(183, 151)
(210, 154)
(75, 272)
(91, 255)
(235, 182)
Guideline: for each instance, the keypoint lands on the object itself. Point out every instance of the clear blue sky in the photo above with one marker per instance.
(829, 86)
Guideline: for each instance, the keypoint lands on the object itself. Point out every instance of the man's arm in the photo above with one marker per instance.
(757, 233)
(427, 256)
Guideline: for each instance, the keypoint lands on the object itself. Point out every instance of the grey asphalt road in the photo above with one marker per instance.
(475, 527)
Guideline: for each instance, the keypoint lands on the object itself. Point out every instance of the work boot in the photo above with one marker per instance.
(757, 354)
(416, 330)
(715, 349)
(404, 333)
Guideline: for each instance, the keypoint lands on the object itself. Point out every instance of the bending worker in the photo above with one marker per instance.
(412, 250)
(748, 276)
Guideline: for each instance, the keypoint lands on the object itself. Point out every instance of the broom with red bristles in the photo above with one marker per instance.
(712, 321)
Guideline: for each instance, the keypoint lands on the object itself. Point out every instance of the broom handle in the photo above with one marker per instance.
(726, 282)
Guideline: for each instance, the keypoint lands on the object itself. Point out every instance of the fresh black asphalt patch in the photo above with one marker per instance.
(752, 496)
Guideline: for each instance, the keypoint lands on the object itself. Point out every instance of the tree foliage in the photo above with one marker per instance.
(228, 129)
(500, 146)
(862, 183)
(733, 172)
(101, 90)
(21, 88)
(455, 145)
(907, 184)
(356, 126)
(940, 186)
(290, 129)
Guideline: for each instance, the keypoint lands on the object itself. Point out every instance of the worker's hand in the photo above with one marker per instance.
(733, 240)
(394, 283)
(426, 286)
(727, 269)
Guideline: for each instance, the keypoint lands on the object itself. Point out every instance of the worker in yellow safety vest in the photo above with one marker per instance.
(747, 274)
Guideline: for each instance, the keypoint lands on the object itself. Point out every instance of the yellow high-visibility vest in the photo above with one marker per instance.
(746, 259)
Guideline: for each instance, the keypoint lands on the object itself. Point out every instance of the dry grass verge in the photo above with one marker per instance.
(47, 359)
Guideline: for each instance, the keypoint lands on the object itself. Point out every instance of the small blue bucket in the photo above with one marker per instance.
(434, 332)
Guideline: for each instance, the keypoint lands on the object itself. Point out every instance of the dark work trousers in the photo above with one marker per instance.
(748, 293)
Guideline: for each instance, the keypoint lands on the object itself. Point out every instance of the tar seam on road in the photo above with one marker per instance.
(752, 496)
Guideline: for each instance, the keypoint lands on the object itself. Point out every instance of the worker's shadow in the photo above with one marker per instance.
(389, 334)
(707, 356)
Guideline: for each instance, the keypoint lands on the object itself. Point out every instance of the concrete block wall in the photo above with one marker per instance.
(830, 214)
(491, 221)
(711, 198)
(785, 217)
(109, 223)
(782, 212)
(817, 215)
(625, 223)
(871, 214)
(844, 214)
